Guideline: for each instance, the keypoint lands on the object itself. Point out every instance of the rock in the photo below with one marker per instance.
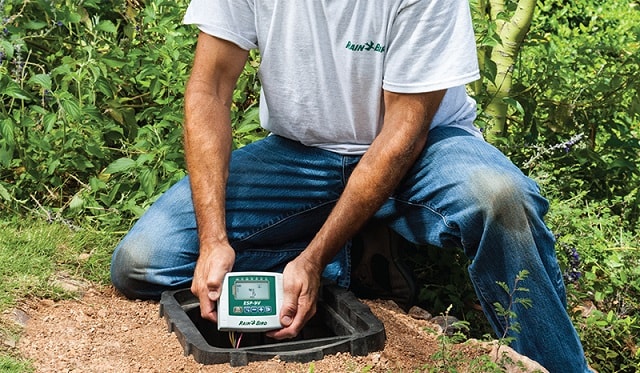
(11, 342)
(419, 313)
(446, 324)
(19, 317)
(70, 284)
(9, 334)
(509, 360)
(84, 257)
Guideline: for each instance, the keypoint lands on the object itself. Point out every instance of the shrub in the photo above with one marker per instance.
(602, 271)
(92, 105)
(577, 75)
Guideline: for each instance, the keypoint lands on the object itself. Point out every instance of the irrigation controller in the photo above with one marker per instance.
(250, 302)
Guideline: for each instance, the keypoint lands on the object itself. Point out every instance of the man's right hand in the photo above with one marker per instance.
(211, 267)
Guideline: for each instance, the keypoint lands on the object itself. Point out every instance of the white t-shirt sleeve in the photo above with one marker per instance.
(231, 20)
(431, 46)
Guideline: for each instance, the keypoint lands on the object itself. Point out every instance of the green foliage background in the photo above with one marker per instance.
(91, 115)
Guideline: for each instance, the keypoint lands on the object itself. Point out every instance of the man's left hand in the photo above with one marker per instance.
(301, 281)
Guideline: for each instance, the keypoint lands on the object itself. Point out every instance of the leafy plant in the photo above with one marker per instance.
(577, 76)
(92, 114)
(611, 341)
(506, 312)
(445, 356)
(601, 264)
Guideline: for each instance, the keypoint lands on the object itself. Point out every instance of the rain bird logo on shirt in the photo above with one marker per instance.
(367, 47)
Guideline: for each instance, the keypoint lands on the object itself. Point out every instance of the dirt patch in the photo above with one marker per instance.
(104, 332)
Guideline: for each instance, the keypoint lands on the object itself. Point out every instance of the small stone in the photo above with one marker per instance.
(84, 257)
(419, 313)
(19, 317)
(10, 342)
(46, 302)
(446, 324)
(67, 283)
(375, 358)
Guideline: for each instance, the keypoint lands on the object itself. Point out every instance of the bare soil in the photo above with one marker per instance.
(104, 332)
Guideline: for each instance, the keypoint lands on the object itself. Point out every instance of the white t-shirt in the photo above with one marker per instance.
(324, 63)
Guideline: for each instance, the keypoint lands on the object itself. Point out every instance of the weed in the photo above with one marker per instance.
(507, 313)
(447, 359)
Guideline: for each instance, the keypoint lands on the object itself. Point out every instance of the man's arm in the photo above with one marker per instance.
(404, 134)
(208, 142)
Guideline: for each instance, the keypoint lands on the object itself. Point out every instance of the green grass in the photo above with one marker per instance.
(32, 252)
(12, 365)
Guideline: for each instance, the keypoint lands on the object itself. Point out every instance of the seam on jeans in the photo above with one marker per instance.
(500, 322)
(347, 168)
(489, 306)
(344, 174)
(277, 221)
(432, 209)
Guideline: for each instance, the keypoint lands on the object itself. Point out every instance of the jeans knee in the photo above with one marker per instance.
(128, 271)
(505, 199)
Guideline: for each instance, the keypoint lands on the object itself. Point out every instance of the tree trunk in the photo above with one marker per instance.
(512, 32)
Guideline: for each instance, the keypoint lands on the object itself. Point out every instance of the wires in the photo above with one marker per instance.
(235, 343)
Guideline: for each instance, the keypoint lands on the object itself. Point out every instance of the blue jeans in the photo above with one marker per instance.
(461, 192)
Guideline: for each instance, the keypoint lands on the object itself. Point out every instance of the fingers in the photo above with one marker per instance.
(299, 301)
(294, 317)
(214, 284)
(207, 279)
(207, 307)
(209, 294)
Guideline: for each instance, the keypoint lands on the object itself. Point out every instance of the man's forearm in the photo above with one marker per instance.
(208, 145)
(207, 140)
(377, 175)
(207, 132)
(371, 183)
